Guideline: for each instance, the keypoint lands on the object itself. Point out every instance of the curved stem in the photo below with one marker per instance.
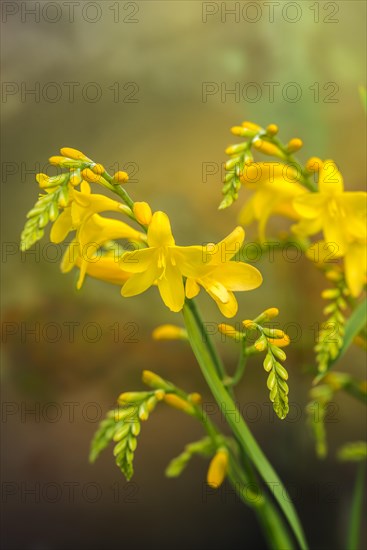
(234, 419)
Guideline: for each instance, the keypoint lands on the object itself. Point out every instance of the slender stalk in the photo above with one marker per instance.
(356, 512)
(236, 422)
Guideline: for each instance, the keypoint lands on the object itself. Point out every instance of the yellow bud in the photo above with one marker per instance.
(280, 342)
(120, 177)
(267, 315)
(294, 145)
(272, 129)
(142, 212)
(330, 293)
(62, 161)
(195, 398)
(90, 176)
(154, 381)
(248, 324)
(169, 332)
(74, 154)
(218, 468)
(237, 148)
(229, 330)
(251, 126)
(314, 164)
(132, 396)
(261, 344)
(98, 169)
(45, 181)
(75, 178)
(243, 132)
(268, 148)
(159, 395)
(178, 403)
(271, 312)
(333, 275)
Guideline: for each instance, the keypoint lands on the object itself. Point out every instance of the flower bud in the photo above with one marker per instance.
(251, 126)
(154, 381)
(178, 403)
(237, 148)
(98, 169)
(229, 330)
(268, 148)
(65, 162)
(261, 343)
(195, 398)
(74, 154)
(142, 212)
(133, 396)
(218, 468)
(169, 332)
(314, 164)
(272, 129)
(294, 145)
(120, 177)
(242, 132)
(280, 342)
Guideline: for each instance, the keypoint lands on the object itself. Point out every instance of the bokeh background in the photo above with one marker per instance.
(159, 55)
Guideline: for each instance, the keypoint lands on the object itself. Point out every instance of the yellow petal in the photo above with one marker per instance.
(192, 288)
(228, 309)
(140, 282)
(330, 179)
(61, 227)
(310, 205)
(106, 268)
(238, 276)
(171, 287)
(355, 262)
(192, 261)
(355, 205)
(70, 256)
(138, 261)
(159, 232)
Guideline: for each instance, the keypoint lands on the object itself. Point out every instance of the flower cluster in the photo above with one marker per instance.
(178, 271)
(285, 188)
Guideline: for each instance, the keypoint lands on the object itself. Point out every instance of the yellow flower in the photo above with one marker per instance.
(106, 268)
(90, 236)
(340, 215)
(275, 188)
(218, 468)
(225, 276)
(83, 204)
(166, 264)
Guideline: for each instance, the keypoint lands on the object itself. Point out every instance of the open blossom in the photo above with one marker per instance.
(92, 231)
(275, 186)
(339, 214)
(165, 264)
(227, 276)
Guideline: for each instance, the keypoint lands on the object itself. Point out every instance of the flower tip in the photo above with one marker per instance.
(74, 154)
(272, 129)
(142, 212)
(294, 145)
(218, 468)
(120, 177)
(314, 164)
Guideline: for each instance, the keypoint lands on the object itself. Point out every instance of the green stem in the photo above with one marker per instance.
(236, 422)
(356, 513)
(240, 370)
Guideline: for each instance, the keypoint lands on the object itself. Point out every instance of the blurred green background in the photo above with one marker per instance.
(138, 71)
